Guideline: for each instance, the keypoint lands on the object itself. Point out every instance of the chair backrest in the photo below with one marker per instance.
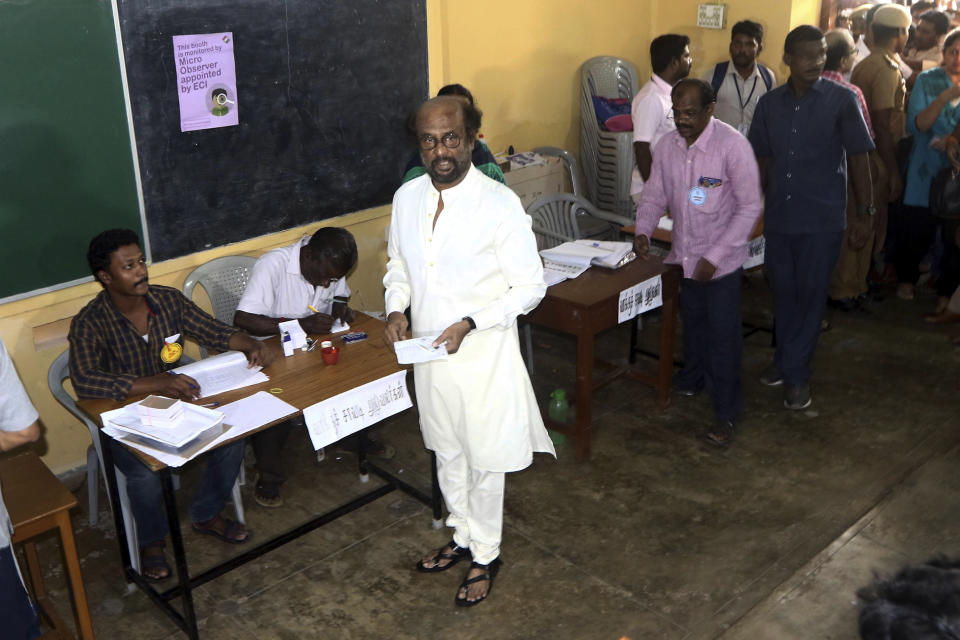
(609, 77)
(555, 219)
(224, 280)
(569, 161)
(58, 372)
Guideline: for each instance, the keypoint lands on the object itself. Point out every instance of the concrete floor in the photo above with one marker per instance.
(658, 536)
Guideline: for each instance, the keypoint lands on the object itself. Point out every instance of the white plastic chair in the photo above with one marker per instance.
(60, 371)
(606, 156)
(224, 280)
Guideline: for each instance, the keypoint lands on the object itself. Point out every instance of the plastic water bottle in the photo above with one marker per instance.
(558, 408)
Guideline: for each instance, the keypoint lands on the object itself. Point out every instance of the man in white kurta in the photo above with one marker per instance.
(463, 258)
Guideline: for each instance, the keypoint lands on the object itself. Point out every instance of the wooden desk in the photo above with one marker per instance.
(304, 381)
(587, 305)
(37, 503)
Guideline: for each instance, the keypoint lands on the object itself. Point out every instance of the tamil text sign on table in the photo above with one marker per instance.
(640, 298)
(757, 247)
(207, 80)
(348, 412)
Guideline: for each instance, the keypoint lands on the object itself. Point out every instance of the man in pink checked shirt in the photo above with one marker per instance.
(706, 173)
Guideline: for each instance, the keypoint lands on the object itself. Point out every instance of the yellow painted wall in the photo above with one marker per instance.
(710, 46)
(521, 59)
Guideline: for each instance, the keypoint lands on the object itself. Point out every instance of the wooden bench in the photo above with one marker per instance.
(37, 503)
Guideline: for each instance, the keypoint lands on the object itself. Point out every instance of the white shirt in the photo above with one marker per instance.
(480, 260)
(737, 98)
(652, 113)
(16, 414)
(277, 289)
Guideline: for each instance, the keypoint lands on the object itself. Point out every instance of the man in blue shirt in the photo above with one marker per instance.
(804, 133)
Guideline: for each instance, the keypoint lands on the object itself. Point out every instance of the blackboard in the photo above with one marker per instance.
(66, 164)
(323, 91)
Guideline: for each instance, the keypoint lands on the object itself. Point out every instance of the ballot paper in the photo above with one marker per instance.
(419, 350)
(554, 272)
(223, 372)
(238, 417)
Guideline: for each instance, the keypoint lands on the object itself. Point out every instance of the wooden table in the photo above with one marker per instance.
(38, 502)
(587, 305)
(303, 380)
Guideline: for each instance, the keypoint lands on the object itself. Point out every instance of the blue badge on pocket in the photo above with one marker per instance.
(698, 196)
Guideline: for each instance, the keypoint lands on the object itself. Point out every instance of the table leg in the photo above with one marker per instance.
(179, 553)
(80, 609)
(33, 567)
(111, 473)
(668, 331)
(584, 397)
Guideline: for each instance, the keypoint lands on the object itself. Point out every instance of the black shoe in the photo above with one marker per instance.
(721, 434)
(843, 304)
(688, 392)
(797, 396)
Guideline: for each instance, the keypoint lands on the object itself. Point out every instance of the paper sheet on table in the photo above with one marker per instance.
(223, 372)
(573, 253)
(419, 350)
(241, 416)
(339, 326)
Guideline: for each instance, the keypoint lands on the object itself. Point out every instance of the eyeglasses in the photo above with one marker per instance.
(450, 140)
(685, 115)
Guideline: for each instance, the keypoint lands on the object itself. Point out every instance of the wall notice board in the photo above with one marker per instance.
(66, 169)
(323, 91)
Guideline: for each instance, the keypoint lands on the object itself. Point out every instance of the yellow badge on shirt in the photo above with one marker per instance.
(172, 350)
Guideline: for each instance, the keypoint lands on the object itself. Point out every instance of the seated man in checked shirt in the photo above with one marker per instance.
(123, 343)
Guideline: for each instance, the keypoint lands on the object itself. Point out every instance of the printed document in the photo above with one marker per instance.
(223, 372)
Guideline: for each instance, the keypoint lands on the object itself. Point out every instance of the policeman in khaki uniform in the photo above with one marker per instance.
(879, 78)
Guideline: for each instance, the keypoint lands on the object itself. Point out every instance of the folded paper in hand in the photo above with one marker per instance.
(419, 350)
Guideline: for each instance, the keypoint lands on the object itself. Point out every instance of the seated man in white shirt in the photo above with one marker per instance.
(305, 282)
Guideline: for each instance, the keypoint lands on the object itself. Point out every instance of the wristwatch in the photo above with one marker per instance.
(473, 325)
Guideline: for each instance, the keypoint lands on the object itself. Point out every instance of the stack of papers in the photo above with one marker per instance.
(223, 372)
(196, 421)
(237, 418)
(570, 259)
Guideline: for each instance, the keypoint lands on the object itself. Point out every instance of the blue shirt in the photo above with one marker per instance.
(807, 140)
(926, 161)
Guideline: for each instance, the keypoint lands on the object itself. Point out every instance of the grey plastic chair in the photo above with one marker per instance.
(557, 218)
(606, 156)
(224, 280)
(60, 371)
(569, 161)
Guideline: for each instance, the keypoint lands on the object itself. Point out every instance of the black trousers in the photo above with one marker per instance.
(268, 449)
(713, 341)
(799, 268)
(915, 229)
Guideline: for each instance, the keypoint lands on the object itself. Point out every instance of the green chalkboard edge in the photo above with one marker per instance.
(136, 172)
(128, 109)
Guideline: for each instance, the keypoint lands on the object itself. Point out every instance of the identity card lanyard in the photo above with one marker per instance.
(743, 103)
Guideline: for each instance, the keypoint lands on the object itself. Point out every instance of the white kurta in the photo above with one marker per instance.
(480, 261)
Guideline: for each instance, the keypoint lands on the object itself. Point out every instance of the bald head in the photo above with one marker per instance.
(449, 104)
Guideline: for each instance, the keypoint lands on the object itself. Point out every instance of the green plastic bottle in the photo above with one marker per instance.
(559, 408)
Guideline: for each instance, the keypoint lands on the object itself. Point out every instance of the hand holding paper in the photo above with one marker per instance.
(419, 350)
